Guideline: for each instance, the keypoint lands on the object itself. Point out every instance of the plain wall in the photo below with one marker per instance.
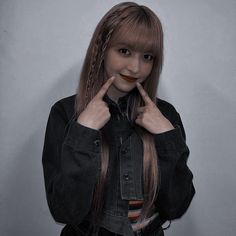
(42, 47)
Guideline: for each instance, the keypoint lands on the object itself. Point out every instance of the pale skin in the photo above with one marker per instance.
(97, 114)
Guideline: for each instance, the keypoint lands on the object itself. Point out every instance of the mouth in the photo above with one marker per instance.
(128, 78)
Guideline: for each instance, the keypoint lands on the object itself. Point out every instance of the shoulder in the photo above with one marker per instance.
(165, 106)
(66, 102)
(64, 107)
(167, 109)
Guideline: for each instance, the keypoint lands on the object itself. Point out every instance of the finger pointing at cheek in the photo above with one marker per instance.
(144, 94)
(104, 88)
(149, 116)
(97, 113)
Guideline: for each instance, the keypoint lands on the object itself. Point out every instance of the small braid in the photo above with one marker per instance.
(104, 47)
(93, 70)
(89, 83)
(100, 48)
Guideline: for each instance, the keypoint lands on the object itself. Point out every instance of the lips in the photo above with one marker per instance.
(128, 78)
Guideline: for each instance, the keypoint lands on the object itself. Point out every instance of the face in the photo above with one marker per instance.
(128, 66)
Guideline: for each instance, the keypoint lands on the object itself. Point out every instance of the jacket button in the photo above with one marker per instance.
(124, 151)
(126, 177)
(97, 142)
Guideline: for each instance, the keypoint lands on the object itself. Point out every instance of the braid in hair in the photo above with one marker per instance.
(100, 48)
(90, 81)
(104, 47)
(98, 52)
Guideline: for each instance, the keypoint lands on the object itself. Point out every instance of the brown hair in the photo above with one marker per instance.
(125, 17)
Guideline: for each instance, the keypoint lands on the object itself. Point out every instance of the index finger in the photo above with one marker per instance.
(144, 94)
(104, 88)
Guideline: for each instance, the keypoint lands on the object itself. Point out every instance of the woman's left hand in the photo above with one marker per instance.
(150, 117)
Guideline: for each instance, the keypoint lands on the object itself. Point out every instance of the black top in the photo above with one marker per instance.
(71, 163)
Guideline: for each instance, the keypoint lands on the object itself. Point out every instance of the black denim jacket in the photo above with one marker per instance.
(71, 164)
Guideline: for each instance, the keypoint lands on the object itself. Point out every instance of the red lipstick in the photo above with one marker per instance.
(128, 78)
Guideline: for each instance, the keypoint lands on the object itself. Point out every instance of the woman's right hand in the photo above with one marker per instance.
(96, 114)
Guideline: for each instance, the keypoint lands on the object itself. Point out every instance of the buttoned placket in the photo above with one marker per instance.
(129, 186)
(130, 157)
(129, 171)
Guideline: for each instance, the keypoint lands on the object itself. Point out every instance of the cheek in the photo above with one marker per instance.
(111, 63)
(147, 69)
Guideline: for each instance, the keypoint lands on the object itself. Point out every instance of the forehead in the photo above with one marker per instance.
(139, 38)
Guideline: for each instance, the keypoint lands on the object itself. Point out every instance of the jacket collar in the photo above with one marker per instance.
(120, 106)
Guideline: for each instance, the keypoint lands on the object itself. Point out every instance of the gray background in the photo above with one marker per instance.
(42, 46)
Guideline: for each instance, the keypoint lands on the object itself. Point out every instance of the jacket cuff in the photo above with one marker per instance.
(81, 138)
(171, 140)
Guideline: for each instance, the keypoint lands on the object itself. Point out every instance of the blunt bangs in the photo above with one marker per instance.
(139, 35)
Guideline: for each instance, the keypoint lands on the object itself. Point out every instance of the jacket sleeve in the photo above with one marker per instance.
(176, 187)
(71, 165)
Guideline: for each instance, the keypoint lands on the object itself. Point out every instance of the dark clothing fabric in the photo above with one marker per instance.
(71, 164)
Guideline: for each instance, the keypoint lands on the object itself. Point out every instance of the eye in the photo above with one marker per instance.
(148, 57)
(124, 51)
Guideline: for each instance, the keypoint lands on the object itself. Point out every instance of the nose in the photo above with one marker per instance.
(134, 64)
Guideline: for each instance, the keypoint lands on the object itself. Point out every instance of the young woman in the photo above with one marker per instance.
(114, 155)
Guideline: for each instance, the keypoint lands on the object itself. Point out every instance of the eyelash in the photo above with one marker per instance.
(150, 57)
(126, 51)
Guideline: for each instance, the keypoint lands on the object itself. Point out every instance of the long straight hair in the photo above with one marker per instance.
(117, 23)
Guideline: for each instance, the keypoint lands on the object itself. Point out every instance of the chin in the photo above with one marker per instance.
(125, 88)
